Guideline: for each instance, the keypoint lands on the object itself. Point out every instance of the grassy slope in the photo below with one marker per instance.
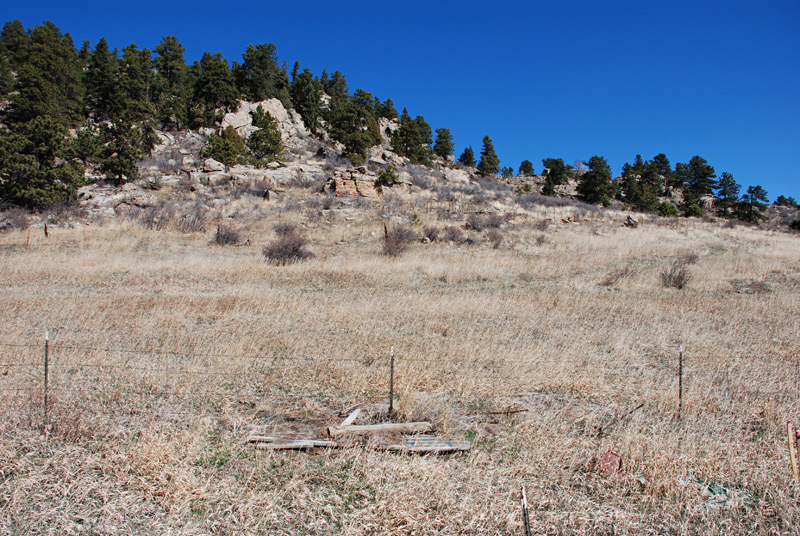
(182, 343)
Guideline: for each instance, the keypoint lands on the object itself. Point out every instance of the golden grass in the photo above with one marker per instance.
(164, 347)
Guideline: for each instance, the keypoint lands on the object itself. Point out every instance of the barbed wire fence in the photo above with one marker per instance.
(35, 376)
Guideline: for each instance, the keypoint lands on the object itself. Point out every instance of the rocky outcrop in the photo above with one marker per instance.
(352, 183)
(102, 200)
(290, 124)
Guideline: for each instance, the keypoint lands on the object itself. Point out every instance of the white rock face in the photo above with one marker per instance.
(458, 176)
(290, 124)
(210, 165)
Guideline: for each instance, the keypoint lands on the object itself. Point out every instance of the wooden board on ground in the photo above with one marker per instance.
(427, 445)
(389, 427)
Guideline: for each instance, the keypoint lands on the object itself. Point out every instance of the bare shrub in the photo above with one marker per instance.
(542, 225)
(617, 274)
(480, 222)
(227, 235)
(14, 219)
(194, 221)
(495, 238)
(689, 258)
(397, 239)
(676, 276)
(445, 194)
(157, 217)
(541, 240)
(288, 248)
(431, 233)
(452, 233)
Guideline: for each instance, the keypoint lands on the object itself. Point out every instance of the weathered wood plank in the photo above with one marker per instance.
(389, 427)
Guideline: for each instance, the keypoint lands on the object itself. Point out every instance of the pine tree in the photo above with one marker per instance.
(266, 142)
(489, 163)
(753, 204)
(595, 185)
(557, 171)
(214, 88)
(263, 78)
(49, 79)
(443, 147)
(103, 92)
(307, 98)
(171, 83)
(413, 139)
(387, 110)
(727, 195)
(467, 158)
(526, 168)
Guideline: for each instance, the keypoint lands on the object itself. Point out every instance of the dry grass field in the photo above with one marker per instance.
(163, 348)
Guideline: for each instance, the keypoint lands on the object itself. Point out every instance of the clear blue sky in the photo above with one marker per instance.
(567, 79)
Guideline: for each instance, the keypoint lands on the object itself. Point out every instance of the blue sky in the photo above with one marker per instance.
(568, 79)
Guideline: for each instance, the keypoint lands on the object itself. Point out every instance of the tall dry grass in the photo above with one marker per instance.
(164, 347)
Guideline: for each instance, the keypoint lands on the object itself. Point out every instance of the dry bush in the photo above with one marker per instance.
(676, 276)
(227, 235)
(14, 219)
(495, 238)
(397, 239)
(288, 248)
(689, 258)
(452, 233)
(431, 232)
(156, 218)
(618, 274)
(194, 221)
(480, 222)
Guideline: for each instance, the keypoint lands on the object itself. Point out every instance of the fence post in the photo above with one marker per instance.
(391, 383)
(46, 374)
(680, 382)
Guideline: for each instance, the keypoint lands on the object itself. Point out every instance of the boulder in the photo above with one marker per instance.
(458, 176)
(210, 165)
(352, 184)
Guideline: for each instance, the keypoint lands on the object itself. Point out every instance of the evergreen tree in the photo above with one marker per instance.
(34, 170)
(595, 185)
(171, 83)
(16, 43)
(660, 166)
(783, 201)
(467, 157)
(640, 185)
(49, 79)
(413, 139)
(136, 80)
(103, 93)
(697, 175)
(443, 147)
(489, 163)
(753, 204)
(124, 143)
(353, 125)
(526, 168)
(214, 88)
(508, 171)
(557, 172)
(266, 142)
(307, 98)
(386, 109)
(727, 195)
(263, 78)
(335, 85)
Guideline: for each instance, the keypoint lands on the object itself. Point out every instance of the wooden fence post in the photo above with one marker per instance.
(680, 382)
(391, 383)
(46, 374)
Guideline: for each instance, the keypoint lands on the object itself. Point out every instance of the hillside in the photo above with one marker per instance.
(165, 347)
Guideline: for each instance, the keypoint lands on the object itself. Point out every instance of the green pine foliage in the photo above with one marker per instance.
(753, 204)
(489, 163)
(595, 185)
(443, 146)
(413, 139)
(783, 201)
(227, 147)
(557, 171)
(266, 143)
(467, 157)
(526, 168)
(306, 93)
